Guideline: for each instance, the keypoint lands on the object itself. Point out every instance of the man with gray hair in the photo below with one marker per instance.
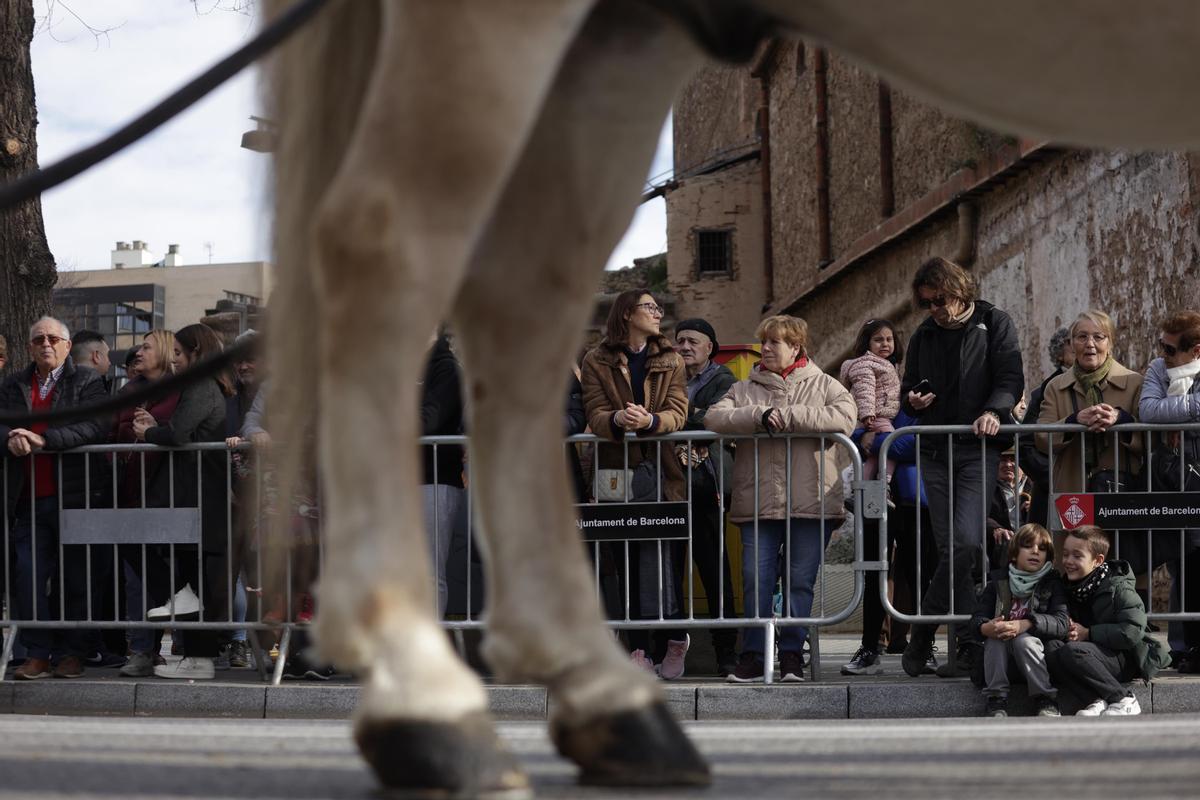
(38, 486)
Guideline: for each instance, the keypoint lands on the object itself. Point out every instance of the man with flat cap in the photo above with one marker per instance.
(696, 343)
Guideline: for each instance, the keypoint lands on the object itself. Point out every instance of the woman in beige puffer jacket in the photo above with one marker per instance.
(785, 394)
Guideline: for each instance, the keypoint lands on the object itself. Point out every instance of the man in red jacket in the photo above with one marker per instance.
(36, 488)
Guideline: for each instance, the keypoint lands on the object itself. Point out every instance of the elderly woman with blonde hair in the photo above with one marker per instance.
(1099, 392)
(796, 510)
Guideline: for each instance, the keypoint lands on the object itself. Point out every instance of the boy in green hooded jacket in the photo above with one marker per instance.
(1107, 644)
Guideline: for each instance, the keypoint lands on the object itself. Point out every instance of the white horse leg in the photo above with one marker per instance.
(520, 316)
(454, 94)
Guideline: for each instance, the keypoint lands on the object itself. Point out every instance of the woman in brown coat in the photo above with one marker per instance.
(1098, 392)
(775, 501)
(635, 382)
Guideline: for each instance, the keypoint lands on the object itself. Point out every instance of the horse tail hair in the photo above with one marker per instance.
(314, 85)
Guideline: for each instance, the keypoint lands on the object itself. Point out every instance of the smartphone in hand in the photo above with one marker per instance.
(923, 387)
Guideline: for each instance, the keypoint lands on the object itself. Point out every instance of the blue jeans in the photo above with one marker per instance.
(807, 545)
(39, 536)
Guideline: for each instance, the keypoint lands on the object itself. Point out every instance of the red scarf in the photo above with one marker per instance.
(799, 362)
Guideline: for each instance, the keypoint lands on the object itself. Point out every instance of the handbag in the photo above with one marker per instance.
(611, 485)
(1168, 465)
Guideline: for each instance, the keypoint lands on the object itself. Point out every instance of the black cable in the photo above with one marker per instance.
(203, 369)
(38, 181)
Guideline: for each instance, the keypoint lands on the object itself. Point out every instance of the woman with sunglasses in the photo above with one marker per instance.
(1171, 396)
(635, 382)
(963, 368)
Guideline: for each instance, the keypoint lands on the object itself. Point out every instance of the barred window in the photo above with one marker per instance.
(714, 251)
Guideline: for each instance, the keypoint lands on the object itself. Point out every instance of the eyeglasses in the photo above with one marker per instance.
(1084, 338)
(941, 301)
(653, 308)
(1168, 349)
(47, 338)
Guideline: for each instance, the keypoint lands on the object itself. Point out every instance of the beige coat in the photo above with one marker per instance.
(811, 402)
(604, 378)
(1122, 389)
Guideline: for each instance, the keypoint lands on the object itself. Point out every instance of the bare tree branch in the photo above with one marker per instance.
(54, 13)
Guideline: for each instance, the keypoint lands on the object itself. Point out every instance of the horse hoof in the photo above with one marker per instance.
(646, 747)
(428, 760)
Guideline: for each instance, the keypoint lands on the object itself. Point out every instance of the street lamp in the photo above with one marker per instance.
(263, 138)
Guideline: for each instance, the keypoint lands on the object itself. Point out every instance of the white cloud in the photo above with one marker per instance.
(189, 182)
(647, 234)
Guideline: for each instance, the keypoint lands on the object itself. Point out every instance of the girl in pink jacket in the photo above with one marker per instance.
(872, 378)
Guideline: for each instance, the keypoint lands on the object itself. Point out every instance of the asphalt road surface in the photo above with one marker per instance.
(1142, 757)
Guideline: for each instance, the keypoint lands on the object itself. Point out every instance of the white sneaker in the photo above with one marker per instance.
(672, 665)
(184, 602)
(1125, 707)
(1093, 709)
(190, 669)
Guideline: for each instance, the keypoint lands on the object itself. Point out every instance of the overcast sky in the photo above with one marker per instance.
(190, 183)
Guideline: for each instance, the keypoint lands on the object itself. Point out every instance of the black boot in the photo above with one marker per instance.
(920, 648)
(959, 665)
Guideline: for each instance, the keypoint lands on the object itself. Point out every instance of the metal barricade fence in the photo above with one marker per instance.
(166, 519)
(1150, 526)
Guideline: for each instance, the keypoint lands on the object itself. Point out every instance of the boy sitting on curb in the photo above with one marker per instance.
(1106, 643)
(1022, 607)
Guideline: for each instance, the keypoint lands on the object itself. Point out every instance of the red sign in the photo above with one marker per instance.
(1075, 510)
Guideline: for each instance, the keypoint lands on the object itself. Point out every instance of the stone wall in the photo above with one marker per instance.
(730, 200)
(1058, 232)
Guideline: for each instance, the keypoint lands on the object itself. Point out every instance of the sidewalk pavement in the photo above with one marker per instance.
(239, 693)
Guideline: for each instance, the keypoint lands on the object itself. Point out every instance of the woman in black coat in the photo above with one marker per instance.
(199, 417)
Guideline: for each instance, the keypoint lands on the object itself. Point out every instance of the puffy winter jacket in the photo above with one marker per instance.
(810, 402)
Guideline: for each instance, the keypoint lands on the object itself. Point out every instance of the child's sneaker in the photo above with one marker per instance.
(1092, 709)
(996, 707)
(1125, 707)
(1048, 707)
(865, 662)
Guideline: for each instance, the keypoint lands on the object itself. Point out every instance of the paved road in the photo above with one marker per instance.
(52, 757)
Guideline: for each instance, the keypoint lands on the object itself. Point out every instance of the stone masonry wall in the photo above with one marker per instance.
(730, 199)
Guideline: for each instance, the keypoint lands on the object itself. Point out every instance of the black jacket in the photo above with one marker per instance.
(1116, 618)
(1047, 605)
(990, 372)
(442, 415)
(575, 422)
(76, 386)
(716, 387)
(199, 417)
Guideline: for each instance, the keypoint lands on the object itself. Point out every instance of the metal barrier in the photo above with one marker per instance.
(110, 530)
(952, 450)
(116, 526)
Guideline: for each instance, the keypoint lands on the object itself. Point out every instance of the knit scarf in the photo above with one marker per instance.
(955, 323)
(1090, 383)
(1022, 583)
(1181, 378)
(1084, 588)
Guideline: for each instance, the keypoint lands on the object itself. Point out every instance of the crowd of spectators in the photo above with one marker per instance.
(956, 504)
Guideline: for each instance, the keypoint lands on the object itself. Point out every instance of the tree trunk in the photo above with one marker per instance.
(27, 271)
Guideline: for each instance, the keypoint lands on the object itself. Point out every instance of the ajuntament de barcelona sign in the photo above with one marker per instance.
(1129, 511)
